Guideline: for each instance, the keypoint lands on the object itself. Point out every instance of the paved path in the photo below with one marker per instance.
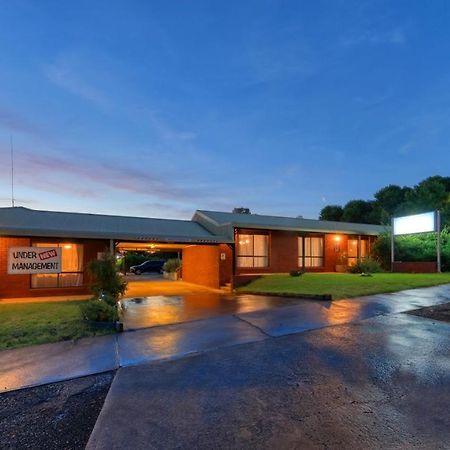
(377, 383)
(48, 363)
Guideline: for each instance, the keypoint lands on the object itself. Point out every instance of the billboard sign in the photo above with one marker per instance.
(418, 223)
(33, 260)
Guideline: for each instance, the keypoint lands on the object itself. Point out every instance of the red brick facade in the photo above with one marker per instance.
(20, 285)
(201, 265)
(283, 252)
(415, 267)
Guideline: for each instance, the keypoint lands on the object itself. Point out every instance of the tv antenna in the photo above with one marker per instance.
(12, 172)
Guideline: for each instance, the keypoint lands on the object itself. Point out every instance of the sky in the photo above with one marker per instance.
(159, 108)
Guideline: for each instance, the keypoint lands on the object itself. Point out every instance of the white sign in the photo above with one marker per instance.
(29, 260)
(419, 223)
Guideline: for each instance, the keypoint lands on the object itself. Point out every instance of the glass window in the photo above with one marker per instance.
(252, 250)
(71, 267)
(355, 253)
(310, 251)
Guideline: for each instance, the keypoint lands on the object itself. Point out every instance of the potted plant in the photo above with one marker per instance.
(171, 269)
(343, 263)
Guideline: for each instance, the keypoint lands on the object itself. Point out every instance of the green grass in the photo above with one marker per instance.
(343, 285)
(23, 324)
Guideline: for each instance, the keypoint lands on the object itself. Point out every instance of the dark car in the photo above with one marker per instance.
(148, 266)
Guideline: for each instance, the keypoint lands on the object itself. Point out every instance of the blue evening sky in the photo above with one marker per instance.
(157, 108)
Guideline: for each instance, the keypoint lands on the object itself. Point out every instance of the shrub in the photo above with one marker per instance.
(99, 311)
(106, 283)
(295, 273)
(413, 248)
(172, 265)
(365, 265)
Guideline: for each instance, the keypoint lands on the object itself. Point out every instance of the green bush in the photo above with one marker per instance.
(99, 311)
(365, 265)
(106, 283)
(412, 248)
(172, 265)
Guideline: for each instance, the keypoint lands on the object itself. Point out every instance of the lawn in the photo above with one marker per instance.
(23, 324)
(343, 285)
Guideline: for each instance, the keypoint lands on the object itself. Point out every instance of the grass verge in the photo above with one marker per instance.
(24, 324)
(343, 285)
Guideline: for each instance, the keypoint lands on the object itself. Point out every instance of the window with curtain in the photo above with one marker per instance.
(355, 253)
(310, 251)
(71, 267)
(252, 250)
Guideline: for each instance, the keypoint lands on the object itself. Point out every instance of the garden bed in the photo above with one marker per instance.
(436, 312)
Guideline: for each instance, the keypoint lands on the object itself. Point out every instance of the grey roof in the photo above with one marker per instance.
(28, 222)
(224, 223)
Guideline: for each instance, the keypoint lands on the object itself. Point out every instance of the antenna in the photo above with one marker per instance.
(12, 173)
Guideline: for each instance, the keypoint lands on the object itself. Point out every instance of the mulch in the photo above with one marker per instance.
(55, 416)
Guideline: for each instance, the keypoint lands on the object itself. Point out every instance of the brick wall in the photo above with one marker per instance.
(415, 267)
(283, 253)
(225, 265)
(20, 285)
(201, 265)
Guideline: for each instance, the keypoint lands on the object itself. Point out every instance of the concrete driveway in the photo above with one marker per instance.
(378, 383)
(150, 311)
(48, 363)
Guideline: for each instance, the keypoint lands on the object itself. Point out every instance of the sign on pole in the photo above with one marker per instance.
(34, 260)
(418, 223)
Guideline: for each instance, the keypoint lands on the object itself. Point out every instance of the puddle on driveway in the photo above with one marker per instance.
(143, 312)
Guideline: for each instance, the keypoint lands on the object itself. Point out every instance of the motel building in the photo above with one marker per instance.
(44, 253)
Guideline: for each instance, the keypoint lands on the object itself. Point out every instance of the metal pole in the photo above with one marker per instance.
(392, 245)
(438, 240)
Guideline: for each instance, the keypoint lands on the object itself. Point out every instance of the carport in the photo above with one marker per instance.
(200, 268)
(206, 258)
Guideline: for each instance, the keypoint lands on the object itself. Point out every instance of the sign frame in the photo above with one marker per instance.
(436, 229)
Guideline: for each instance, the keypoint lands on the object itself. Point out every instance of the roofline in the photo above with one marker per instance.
(114, 216)
(203, 214)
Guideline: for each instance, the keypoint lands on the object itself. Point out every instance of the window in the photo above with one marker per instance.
(352, 251)
(355, 253)
(71, 267)
(310, 251)
(252, 250)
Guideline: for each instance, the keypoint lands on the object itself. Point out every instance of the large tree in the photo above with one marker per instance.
(359, 211)
(331, 212)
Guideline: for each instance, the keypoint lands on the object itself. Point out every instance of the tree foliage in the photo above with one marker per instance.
(332, 212)
(393, 200)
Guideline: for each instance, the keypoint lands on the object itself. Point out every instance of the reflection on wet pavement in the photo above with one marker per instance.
(144, 312)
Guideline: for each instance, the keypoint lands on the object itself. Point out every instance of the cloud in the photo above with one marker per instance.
(396, 36)
(68, 74)
(13, 122)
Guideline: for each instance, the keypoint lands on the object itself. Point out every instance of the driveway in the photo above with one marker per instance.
(150, 311)
(379, 383)
(48, 363)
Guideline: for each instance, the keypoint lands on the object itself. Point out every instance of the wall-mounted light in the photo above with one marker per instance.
(337, 243)
(68, 246)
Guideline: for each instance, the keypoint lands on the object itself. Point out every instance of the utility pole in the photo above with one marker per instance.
(12, 172)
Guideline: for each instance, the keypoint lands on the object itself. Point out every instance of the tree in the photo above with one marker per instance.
(331, 212)
(389, 199)
(359, 211)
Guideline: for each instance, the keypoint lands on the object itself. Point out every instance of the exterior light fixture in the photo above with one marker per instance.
(68, 246)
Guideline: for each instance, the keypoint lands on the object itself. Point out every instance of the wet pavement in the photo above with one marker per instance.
(145, 312)
(48, 363)
(378, 383)
(173, 341)
(232, 323)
